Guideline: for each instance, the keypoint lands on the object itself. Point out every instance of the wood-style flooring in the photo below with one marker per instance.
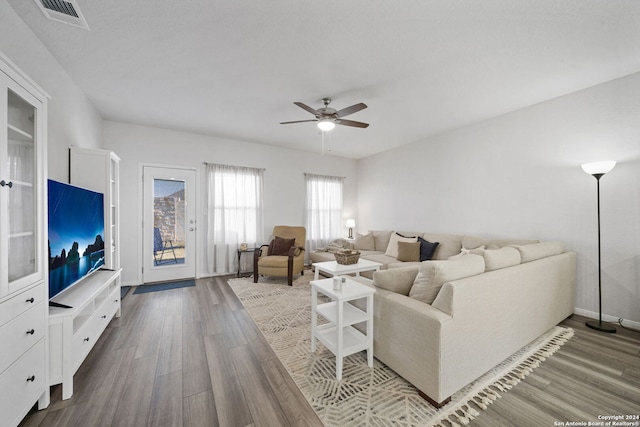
(193, 357)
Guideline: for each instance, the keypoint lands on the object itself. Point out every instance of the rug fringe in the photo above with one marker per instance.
(463, 413)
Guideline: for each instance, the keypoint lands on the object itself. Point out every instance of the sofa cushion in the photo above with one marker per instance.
(280, 246)
(408, 251)
(392, 247)
(381, 239)
(495, 259)
(472, 242)
(364, 242)
(401, 264)
(427, 249)
(379, 257)
(536, 251)
(398, 280)
(450, 244)
(433, 274)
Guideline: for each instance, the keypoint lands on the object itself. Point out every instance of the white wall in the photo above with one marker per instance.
(284, 178)
(519, 175)
(72, 118)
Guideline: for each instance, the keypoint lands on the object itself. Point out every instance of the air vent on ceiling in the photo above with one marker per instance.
(67, 12)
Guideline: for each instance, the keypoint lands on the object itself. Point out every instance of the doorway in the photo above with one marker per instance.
(169, 224)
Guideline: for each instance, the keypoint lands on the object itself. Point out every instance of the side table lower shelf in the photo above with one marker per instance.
(353, 340)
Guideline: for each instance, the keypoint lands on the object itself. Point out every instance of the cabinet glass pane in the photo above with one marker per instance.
(21, 154)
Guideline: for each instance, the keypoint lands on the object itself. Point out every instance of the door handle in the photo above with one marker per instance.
(8, 184)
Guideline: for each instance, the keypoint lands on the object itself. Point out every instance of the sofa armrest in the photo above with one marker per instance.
(398, 280)
(407, 338)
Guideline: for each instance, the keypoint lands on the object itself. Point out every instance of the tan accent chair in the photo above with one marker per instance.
(281, 265)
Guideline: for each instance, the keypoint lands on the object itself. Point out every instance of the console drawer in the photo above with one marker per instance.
(84, 340)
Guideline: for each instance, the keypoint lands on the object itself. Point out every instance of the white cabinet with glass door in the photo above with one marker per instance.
(23, 249)
(99, 170)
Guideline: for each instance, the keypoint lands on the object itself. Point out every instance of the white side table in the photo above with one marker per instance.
(339, 335)
(335, 269)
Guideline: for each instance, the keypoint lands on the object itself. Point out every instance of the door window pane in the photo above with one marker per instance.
(169, 213)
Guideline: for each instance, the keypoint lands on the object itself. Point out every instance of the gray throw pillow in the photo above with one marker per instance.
(364, 242)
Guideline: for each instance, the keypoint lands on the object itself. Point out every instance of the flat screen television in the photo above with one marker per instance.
(76, 235)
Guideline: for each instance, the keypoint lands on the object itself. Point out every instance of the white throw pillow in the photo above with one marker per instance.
(392, 247)
(434, 274)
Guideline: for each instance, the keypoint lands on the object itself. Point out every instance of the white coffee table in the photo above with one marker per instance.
(339, 335)
(334, 269)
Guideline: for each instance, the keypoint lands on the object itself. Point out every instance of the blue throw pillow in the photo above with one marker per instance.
(427, 249)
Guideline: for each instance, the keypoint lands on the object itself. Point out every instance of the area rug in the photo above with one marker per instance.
(164, 286)
(370, 397)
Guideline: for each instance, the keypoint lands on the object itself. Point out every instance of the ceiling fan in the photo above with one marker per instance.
(328, 117)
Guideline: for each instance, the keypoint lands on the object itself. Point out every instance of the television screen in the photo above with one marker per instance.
(76, 234)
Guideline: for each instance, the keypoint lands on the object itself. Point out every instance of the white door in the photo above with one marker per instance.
(169, 224)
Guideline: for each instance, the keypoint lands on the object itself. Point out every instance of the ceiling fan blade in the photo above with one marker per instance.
(350, 110)
(298, 121)
(306, 107)
(352, 123)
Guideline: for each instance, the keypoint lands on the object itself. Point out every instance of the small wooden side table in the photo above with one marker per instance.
(244, 251)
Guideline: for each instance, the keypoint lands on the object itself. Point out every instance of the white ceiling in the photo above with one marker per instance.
(234, 68)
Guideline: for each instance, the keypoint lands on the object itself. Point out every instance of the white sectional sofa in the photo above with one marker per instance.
(375, 246)
(443, 323)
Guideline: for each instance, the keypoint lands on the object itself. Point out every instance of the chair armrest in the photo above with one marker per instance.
(258, 252)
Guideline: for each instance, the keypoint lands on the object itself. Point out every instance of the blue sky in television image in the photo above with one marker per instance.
(75, 215)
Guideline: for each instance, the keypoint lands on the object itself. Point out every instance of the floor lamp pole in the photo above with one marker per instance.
(599, 326)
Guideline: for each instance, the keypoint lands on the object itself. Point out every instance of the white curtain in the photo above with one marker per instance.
(234, 214)
(323, 210)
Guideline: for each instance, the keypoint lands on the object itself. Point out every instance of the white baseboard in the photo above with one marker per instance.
(606, 318)
(130, 283)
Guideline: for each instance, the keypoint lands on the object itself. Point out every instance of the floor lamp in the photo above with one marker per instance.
(597, 170)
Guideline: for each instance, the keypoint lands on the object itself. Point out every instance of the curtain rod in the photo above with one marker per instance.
(328, 176)
(233, 166)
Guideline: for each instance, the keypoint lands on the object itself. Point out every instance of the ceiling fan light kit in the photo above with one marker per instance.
(326, 125)
(328, 117)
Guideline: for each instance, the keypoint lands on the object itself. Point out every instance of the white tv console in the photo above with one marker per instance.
(74, 331)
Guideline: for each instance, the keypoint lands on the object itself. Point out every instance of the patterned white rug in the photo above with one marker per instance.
(369, 397)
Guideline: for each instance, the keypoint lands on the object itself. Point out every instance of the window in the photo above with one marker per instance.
(323, 210)
(234, 213)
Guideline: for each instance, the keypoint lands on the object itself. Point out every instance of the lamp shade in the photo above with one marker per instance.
(351, 223)
(326, 125)
(595, 168)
